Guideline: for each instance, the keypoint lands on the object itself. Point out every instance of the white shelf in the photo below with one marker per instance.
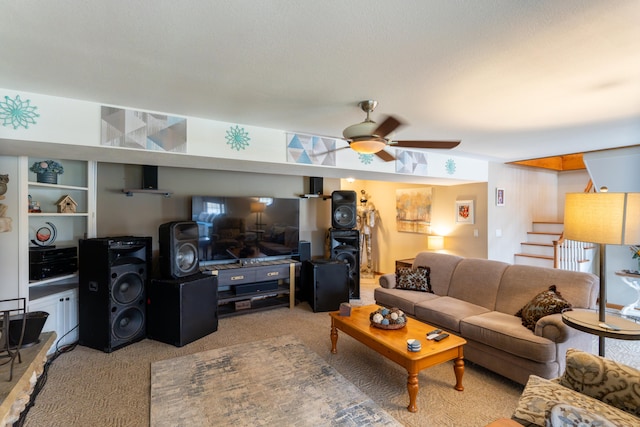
(57, 186)
(129, 191)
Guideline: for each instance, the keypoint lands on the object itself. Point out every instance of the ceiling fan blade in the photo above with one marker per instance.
(385, 156)
(425, 144)
(387, 126)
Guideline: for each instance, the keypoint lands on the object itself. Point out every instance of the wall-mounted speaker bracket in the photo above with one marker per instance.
(315, 196)
(129, 192)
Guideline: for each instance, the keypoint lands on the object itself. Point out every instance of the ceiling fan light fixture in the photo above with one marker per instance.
(368, 145)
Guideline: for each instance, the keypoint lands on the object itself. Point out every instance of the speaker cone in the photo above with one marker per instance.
(346, 254)
(128, 323)
(343, 215)
(127, 288)
(186, 257)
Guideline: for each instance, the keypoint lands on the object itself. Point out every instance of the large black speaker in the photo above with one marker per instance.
(345, 247)
(326, 284)
(181, 311)
(343, 209)
(178, 249)
(112, 291)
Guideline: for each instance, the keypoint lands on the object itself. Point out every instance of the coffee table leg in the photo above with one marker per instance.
(458, 369)
(334, 338)
(412, 387)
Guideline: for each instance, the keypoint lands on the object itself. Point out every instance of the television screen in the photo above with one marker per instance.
(238, 228)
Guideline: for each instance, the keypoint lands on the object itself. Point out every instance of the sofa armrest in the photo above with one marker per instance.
(552, 327)
(388, 280)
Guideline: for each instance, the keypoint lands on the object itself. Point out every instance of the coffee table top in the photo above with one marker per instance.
(358, 326)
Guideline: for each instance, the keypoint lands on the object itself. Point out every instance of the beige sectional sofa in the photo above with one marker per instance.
(478, 299)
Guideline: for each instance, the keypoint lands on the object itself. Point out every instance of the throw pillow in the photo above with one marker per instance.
(543, 304)
(414, 279)
(563, 415)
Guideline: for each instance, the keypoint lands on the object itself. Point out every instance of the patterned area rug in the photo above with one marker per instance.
(272, 382)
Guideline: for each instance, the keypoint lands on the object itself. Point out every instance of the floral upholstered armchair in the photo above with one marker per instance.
(593, 391)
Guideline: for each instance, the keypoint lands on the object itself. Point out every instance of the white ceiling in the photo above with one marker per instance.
(512, 79)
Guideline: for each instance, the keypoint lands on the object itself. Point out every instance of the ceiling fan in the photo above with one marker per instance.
(368, 137)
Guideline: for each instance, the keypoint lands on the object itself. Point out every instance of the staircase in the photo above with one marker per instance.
(539, 249)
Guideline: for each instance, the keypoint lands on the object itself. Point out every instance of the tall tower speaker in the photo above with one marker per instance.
(112, 291)
(345, 247)
(178, 249)
(343, 209)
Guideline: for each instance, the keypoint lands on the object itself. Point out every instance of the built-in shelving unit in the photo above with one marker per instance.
(55, 294)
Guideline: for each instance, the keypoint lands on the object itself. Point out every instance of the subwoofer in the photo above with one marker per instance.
(178, 249)
(343, 209)
(112, 291)
(326, 284)
(345, 247)
(181, 311)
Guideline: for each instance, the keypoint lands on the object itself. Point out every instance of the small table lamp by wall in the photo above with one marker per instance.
(606, 219)
(258, 208)
(435, 243)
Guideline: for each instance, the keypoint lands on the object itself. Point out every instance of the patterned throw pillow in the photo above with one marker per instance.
(563, 415)
(543, 304)
(414, 279)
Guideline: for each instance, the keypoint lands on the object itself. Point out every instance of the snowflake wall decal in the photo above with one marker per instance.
(16, 112)
(365, 158)
(450, 166)
(237, 138)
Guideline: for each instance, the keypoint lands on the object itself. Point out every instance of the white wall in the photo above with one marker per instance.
(9, 254)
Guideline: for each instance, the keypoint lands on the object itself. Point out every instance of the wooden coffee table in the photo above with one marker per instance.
(392, 344)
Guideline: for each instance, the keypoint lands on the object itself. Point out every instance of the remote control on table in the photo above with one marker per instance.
(441, 337)
(431, 335)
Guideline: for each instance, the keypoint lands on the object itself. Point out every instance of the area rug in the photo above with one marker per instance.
(278, 381)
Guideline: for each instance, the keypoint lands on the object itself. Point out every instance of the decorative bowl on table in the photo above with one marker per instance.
(388, 318)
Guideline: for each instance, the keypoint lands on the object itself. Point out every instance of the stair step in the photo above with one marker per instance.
(548, 226)
(540, 237)
(529, 255)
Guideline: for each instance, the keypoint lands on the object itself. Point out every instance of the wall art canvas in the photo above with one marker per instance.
(142, 130)
(413, 210)
(499, 196)
(464, 211)
(411, 162)
(311, 150)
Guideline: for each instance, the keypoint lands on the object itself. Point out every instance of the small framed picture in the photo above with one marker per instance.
(499, 196)
(464, 211)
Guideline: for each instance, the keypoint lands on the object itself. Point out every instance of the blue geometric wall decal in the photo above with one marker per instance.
(311, 150)
(450, 166)
(365, 158)
(237, 138)
(17, 113)
(411, 162)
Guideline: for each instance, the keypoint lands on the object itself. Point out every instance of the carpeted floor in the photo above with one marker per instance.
(87, 387)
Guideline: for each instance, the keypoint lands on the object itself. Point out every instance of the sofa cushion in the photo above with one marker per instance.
(540, 396)
(403, 299)
(545, 303)
(505, 332)
(603, 379)
(521, 282)
(442, 267)
(414, 279)
(476, 281)
(446, 312)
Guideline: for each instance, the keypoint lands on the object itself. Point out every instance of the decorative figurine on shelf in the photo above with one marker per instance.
(45, 236)
(367, 214)
(34, 207)
(47, 171)
(66, 205)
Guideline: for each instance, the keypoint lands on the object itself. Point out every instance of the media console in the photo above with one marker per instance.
(264, 285)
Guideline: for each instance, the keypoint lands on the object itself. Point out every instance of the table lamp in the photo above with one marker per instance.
(606, 219)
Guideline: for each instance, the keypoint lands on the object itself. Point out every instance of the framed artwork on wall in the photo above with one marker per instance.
(464, 212)
(499, 196)
(413, 210)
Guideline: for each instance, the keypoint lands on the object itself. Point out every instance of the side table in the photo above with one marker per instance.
(404, 263)
(587, 320)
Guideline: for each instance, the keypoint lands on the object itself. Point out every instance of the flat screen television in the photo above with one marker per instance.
(246, 228)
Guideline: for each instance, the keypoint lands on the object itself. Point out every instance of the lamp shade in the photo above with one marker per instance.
(605, 218)
(257, 207)
(368, 145)
(435, 243)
